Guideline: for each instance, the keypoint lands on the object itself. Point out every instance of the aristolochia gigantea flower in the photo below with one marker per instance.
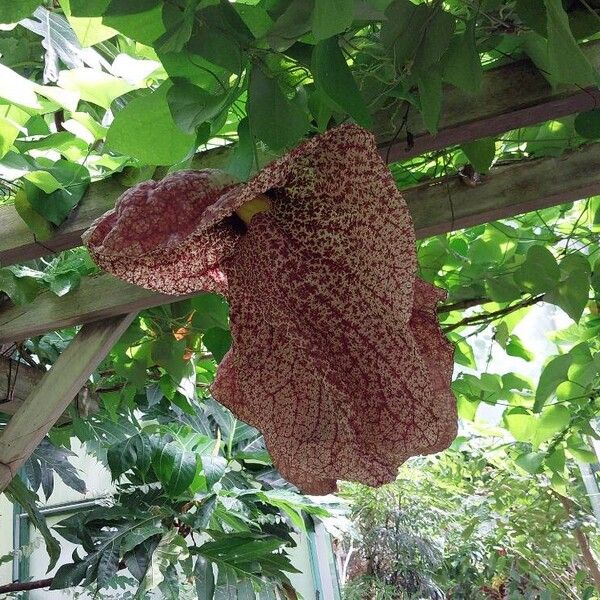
(337, 356)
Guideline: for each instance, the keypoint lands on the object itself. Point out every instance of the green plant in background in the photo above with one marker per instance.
(466, 525)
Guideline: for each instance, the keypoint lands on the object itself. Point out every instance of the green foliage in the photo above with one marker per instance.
(464, 525)
(94, 88)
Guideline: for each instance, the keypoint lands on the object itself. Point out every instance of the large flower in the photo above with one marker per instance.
(337, 356)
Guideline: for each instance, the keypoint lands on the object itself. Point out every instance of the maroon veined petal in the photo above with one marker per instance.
(337, 356)
(157, 236)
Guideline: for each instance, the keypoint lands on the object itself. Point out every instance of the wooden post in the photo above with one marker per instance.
(17, 381)
(51, 396)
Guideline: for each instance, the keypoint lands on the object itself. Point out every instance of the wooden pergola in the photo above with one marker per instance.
(512, 96)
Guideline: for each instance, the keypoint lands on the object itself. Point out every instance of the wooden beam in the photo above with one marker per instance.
(98, 297)
(17, 380)
(442, 205)
(51, 396)
(436, 207)
(512, 96)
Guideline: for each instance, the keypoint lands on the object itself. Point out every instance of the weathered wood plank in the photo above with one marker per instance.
(512, 96)
(442, 206)
(51, 396)
(436, 207)
(17, 381)
(97, 297)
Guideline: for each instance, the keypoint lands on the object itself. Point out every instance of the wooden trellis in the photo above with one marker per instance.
(512, 96)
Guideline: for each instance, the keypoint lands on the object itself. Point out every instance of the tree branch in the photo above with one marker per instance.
(25, 586)
(491, 316)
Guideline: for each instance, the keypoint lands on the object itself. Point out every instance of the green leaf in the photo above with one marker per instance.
(9, 132)
(403, 30)
(515, 347)
(56, 206)
(430, 97)
(555, 461)
(440, 27)
(20, 289)
(331, 17)
(145, 27)
(530, 462)
(213, 468)
(89, 8)
(294, 22)
(226, 588)
(553, 419)
(40, 227)
(132, 452)
(129, 7)
(174, 467)
(572, 294)
(502, 289)
(89, 30)
(584, 455)
(587, 124)
(138, 560)
(12, 11)
(191, 106)
(204, 579)
(179, 26)
(461, 64)
(94, 86)
(520, 423)
(69, 575)
(268, 108)
(566, 60)
(18, 493)
(533, 15)
(334, 78)
(217, 341)
(171, 549)
(210, 310)
(480, 153)
(217, 48)
(553, 374)
(242, 157)
(539, 273)
(145, 130)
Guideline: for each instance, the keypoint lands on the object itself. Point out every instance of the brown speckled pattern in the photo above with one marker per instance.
(337, 355)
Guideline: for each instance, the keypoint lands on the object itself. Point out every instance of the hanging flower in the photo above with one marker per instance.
(337, 356)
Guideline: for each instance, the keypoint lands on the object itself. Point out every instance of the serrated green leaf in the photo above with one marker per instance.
(204, 579)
